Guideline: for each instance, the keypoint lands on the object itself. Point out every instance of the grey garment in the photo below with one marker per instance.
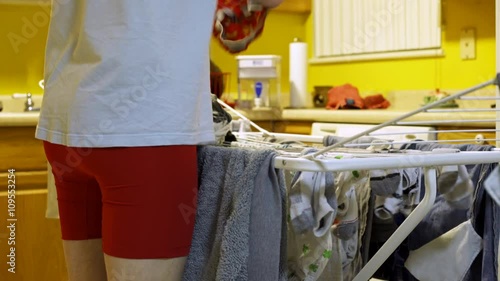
(421, 145)
(222, 121)
(221, 237)
(385, 182)
(492, 183)
(458, 193)
(363, 194)
(310, 248)
(440, 219)
(485, 215)
(410, 177)
(268, 238)
(301, 205)
(218, 113)
(307, 196)
(347, 258)
(363, 142)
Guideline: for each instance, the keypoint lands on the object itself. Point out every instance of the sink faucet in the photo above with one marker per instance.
(29, 104)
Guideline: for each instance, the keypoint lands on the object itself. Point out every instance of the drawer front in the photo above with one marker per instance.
(20, 150)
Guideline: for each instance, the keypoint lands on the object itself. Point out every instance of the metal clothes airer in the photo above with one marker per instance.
(325, 160)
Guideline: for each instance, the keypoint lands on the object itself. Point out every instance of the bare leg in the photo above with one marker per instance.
(120, 269)
(84, 260)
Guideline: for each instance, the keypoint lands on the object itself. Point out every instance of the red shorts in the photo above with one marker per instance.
(140, 200)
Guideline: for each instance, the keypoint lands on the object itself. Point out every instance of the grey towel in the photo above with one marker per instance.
(220, 248)
(268, 235)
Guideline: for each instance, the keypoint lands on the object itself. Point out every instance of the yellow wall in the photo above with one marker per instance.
(23, 30)
(21, 66)
(449, 72)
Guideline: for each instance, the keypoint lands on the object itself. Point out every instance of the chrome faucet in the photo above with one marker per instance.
(29, 104)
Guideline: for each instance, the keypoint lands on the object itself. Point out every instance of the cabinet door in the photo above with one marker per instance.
(38, 245)
(464, 137)
(25, 2)
(295, 6)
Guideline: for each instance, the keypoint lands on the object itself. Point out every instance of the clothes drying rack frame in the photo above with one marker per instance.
(325, 160)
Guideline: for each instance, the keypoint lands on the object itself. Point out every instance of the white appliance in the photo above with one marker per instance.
(395, 133)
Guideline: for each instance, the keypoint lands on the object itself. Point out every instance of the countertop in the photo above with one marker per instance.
(374, 116)
(18, 119)
(378, 116)
(482, 119)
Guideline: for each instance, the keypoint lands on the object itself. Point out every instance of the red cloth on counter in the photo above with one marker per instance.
(347, 97)
(376, 102)
(235, 26)
(344, 97)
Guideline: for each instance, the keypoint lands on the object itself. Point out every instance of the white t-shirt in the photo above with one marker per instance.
(128, 73)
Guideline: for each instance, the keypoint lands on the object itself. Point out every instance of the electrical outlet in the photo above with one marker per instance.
(468, 44)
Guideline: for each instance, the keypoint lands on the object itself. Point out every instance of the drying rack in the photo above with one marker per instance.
(327, 159)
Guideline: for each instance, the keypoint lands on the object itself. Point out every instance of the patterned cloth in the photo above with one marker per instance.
(238, 23)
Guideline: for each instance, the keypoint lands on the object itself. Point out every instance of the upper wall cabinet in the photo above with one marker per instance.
(25, 2)
(295, 6)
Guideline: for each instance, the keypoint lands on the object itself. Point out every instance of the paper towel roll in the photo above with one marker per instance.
(298, 75)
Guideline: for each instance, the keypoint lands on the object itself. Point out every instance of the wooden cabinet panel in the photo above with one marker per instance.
(38, 245)
(289, 127)
(297, 127)
(467, 137)
(27, 180)
(20, 150)
(25, 2)
(295, 6)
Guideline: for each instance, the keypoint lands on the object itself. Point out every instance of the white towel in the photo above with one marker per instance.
(448, 257)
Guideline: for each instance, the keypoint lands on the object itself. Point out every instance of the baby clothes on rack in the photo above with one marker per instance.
(312, 207)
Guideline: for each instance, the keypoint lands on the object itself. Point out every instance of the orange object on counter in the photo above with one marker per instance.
(376, 102)
(344, 97)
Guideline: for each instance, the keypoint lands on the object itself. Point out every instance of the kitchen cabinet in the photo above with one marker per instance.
(25, 2)
(20, 150)
(289, 127)
(455, 136)
(295, 6)
(39, 253)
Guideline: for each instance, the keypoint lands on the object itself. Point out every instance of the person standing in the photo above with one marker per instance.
(127, 99)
